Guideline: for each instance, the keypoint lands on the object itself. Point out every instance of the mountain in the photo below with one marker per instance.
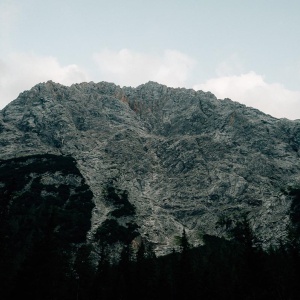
(149, 161)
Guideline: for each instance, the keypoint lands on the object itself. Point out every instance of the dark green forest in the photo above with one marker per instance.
(44, 253)
(220, 269)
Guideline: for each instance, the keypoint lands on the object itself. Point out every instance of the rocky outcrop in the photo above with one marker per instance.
(185, 158)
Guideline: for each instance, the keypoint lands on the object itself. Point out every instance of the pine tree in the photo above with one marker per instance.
(84, 272)
(184, 243)
(185, 269)
(125, 276)
(102, 283)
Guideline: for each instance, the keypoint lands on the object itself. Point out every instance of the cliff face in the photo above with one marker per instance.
(171, 158)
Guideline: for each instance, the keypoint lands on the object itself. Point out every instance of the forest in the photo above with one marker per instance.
(220, 269)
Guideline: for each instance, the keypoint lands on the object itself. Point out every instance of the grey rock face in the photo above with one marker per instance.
(186, 158)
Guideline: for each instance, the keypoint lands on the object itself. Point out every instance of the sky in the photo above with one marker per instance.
(248, 51)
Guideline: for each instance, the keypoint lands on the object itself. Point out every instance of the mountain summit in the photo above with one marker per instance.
(156, 159)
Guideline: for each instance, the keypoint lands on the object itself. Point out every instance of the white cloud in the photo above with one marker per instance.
(130, 68)
(252, 90)
(19, 72)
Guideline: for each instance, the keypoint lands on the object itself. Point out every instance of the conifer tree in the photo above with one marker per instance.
(84, 272)
(184, 243)
(185, 269)
(125, 273)
(102, 283)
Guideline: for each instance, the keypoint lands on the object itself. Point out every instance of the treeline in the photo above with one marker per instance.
(221, 269)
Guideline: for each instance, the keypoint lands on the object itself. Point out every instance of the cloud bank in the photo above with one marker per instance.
(252, 89)
(19, 72)
(130, 68)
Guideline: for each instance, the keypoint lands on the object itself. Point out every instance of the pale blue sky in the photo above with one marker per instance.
(248, 51)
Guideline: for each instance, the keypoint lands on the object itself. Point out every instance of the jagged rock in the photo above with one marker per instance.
(186, 158)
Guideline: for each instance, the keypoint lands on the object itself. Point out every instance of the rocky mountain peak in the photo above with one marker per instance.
(185, 158)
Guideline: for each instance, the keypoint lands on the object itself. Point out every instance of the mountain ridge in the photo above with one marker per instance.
(185, 158)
